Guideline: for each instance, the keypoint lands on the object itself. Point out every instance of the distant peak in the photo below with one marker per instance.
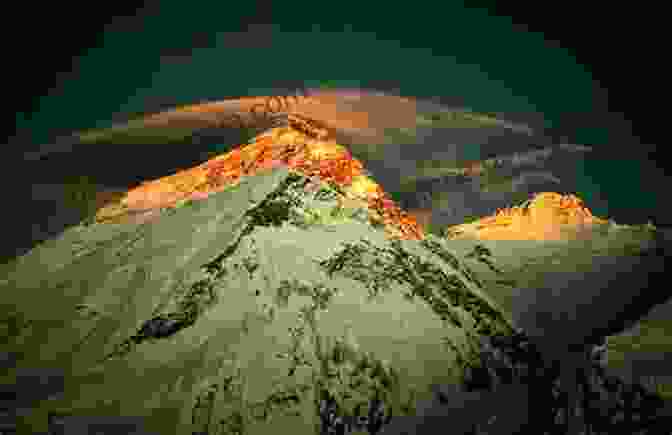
(547, 216)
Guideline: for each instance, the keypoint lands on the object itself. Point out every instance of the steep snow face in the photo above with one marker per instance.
(260, 295)
(259, 307)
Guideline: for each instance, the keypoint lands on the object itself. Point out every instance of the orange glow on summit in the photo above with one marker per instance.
(285, 146)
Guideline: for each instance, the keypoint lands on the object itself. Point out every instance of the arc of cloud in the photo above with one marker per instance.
(357, 117)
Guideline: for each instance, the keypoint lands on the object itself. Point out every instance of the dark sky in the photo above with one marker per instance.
(623, 61)
(169, 34)
(594, 80)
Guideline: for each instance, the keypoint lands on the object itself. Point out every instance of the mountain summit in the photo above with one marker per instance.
(302, 147)
(277, 288)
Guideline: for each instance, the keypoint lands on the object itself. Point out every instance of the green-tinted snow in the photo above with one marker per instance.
(284, 300)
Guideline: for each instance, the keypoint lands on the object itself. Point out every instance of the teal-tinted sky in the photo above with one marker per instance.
(471, 56)
(461, 54)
